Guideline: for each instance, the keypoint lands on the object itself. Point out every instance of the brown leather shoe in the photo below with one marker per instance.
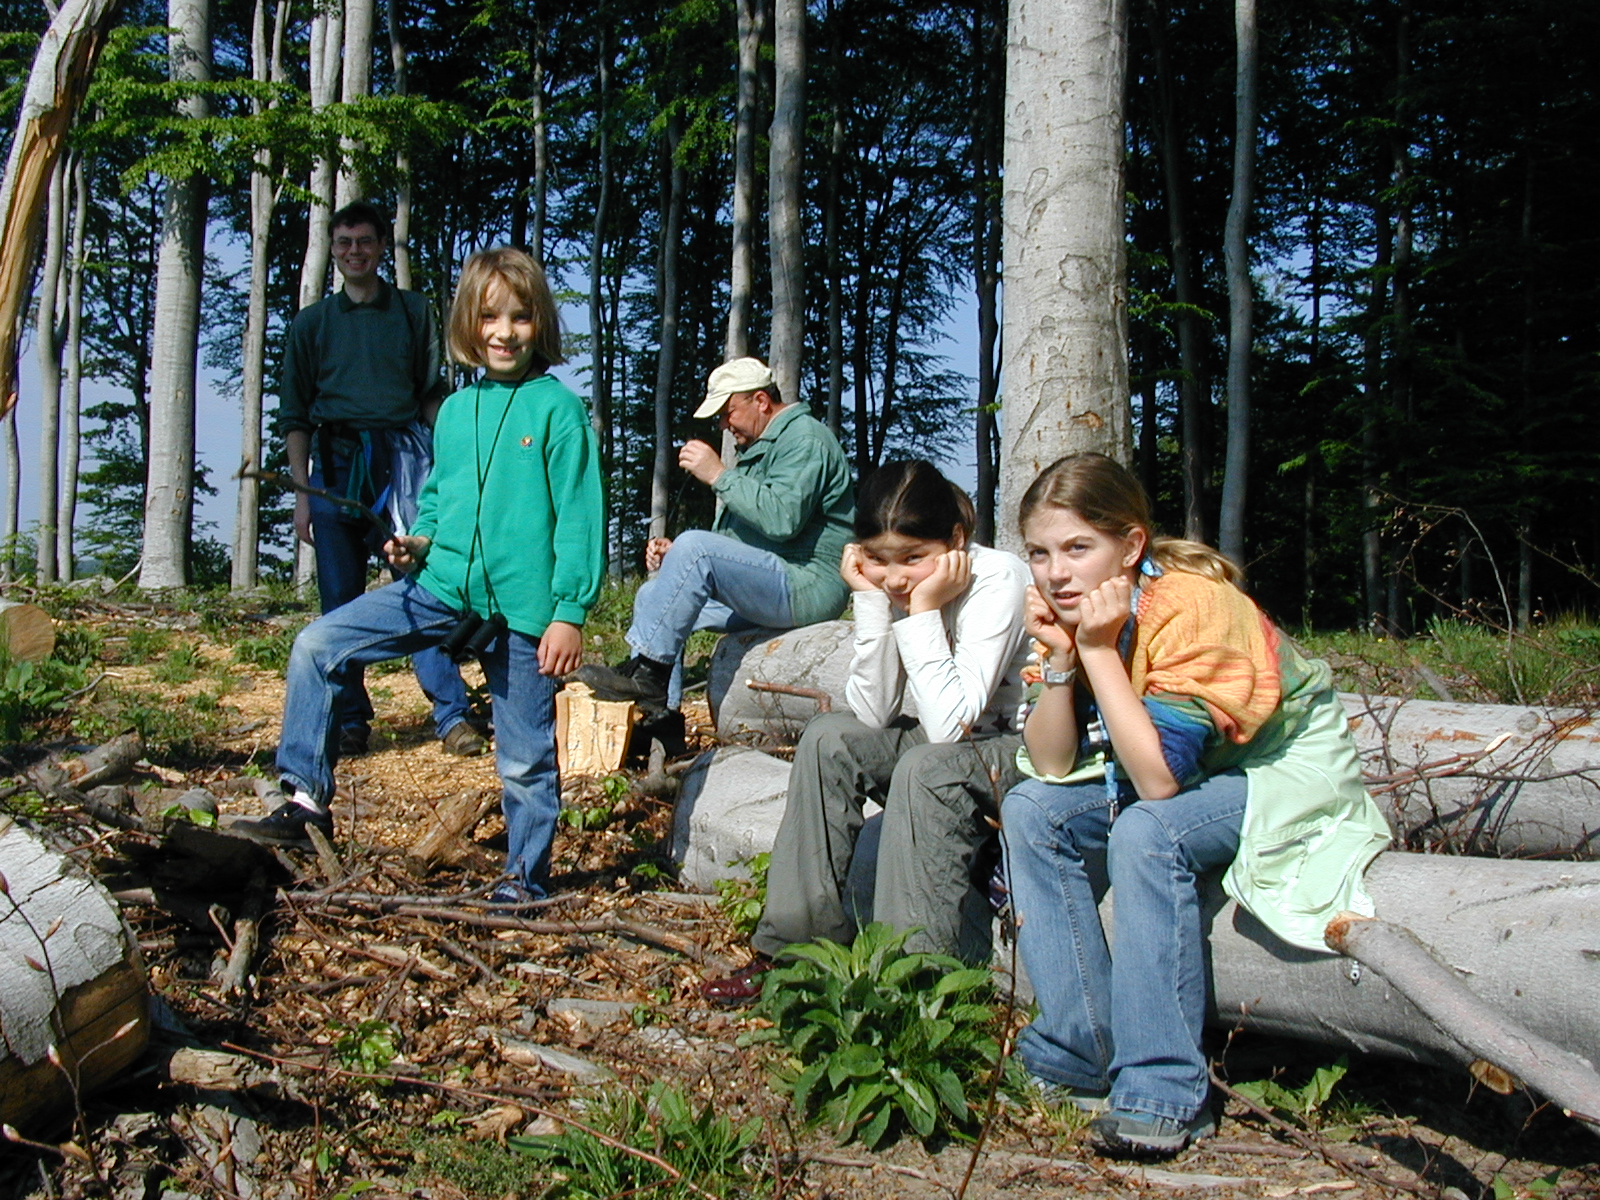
(743, 986)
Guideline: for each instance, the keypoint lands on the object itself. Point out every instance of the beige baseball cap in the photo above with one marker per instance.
(738, 375)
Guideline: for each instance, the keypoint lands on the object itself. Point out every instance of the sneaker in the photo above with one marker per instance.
(353, 742)
(462, 740)
(743, 986)
(640, 679)
(509, 896)
(1142, 1135)
(1085, 1100)
(285, 825)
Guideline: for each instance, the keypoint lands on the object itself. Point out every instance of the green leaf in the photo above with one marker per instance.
(862, 1097)
(854, 1062)
(1315, 1094)
(962, 981)
(802, 1086)
(951, 1094)
(872, 1133)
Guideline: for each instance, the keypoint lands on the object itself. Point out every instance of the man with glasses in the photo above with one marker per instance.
(359, 390)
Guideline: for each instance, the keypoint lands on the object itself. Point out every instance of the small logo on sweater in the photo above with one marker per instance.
(527, 441)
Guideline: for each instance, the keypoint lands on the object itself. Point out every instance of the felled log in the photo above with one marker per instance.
(591, 734)
(1486, 779)
(449, 824)
(26, 630)
(73, 999)
(1523, 937)
(1481, 1030)
(110, 762)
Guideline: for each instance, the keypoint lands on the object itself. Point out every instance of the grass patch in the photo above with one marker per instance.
(182, 664)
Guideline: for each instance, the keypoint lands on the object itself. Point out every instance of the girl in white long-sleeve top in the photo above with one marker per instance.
(939, 627)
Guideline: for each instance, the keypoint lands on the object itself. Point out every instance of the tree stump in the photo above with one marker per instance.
(71, 981)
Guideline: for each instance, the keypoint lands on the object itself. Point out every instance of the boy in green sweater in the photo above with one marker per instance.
(510, 530)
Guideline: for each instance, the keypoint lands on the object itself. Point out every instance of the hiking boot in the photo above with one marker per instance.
(1085, 1100)
(285, 825)
(743, 986)
(1142, 1135)
(353, 742)
(664, 725)
(462, 740)
(642, 680)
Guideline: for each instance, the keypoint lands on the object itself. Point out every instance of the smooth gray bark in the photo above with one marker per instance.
(47, 337)
(357, 85)
(327, 37)
(785, 201)
(169, 487)
(1241, 297)
(741, 272)
(667, 353)
(72, 400)
(402, 160)
(1064, 367)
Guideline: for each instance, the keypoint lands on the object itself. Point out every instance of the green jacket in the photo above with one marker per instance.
(370, 366)
(790, 494)
(529, 541)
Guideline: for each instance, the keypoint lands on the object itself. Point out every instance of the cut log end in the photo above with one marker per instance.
(26, 631)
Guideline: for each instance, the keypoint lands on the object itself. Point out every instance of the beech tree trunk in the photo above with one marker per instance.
(72, 402)
(785, 204)
(358, 25)
(988, 30)
(327, 37)
(48, 336)
(402, 160)
(1241, 297)
(169, 487)
(1064, 305)
(741, 271)
(677, 183)
(265, 65)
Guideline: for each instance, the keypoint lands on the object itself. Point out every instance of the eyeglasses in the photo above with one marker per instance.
(345, 243)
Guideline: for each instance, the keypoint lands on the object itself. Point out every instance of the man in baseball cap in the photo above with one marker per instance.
(771, 560)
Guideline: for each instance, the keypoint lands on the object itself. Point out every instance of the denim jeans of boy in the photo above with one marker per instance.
(342, 554)
(1128, 1016)
(404, 618)
(707, 581)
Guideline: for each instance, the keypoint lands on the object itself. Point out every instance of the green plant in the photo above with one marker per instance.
(195, 816)
(180, 665)
(1542, 1188)
(1304, 1103)
(30, 691)
(477, 1168)
(366, 1048)
(876, 1035)
(77, 645)
(585, 817)
(143, 645)
(708, 1151)
(744, 900)
(270, 651)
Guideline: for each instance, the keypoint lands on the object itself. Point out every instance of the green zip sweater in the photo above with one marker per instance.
(514, 506)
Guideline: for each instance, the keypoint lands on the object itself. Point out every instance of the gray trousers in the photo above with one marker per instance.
(935, 798)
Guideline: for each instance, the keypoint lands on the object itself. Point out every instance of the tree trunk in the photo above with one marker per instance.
(264, 66)
(786, 199)
(358, 28)
(402, 160)
(13, 496)
(72, 411)
(86, 999)
(62, 67)
(169, 488)
(1372, 419)
(1241, 297)
(1193, 386)
(830, 235)
(1064, 315)
(541, 145)
(677, 180)
(327, 36)
(741, 277)
(988, 49)
(599, 381)
(47, 330)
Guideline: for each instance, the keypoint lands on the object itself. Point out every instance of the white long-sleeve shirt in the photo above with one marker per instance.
(962, 664)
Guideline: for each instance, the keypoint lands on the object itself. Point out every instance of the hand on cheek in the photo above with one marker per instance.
(1044, 626)
(949, 578)
(1102, 614)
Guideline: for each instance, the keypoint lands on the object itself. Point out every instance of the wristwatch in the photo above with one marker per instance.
(1052, 676)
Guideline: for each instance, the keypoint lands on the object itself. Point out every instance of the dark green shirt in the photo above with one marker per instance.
(369, 366)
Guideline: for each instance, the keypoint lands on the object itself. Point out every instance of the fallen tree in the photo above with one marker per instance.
(73, 999)
(1486, 779)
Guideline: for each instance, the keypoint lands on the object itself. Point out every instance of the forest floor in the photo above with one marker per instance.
(400, 1037)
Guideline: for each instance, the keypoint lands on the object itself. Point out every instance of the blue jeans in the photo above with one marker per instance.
(707, 581)
(342, 553)
(1126, 1017)
(404, 618)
